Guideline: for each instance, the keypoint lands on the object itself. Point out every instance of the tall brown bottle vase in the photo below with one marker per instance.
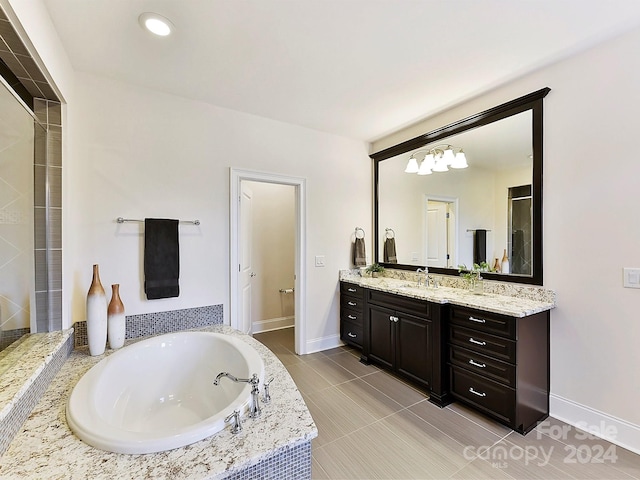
(96, 315)
(115, 318)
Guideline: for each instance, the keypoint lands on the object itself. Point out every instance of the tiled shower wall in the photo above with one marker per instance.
(48, 216)
(31, 84)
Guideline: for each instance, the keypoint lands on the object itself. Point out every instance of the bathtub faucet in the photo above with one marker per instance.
(254, 410)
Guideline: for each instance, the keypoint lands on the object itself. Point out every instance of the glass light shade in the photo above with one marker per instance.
(412, 166)
(425, 168)
(431, 160)
(441, 165)
(460, 161)
(448, 156)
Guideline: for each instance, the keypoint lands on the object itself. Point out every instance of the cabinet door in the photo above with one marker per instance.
(381, 327)
(413, 348)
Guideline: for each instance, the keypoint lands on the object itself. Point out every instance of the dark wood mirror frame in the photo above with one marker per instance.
(533, 102)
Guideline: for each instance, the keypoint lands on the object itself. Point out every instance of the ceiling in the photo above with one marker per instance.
(357, 68)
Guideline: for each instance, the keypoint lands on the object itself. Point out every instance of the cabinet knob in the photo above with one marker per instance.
(352, 289)
(353, 304)
(352, 317)
(393, 319)
(473, 340)
(352, 335)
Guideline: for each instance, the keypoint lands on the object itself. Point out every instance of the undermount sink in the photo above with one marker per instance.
(158, 394)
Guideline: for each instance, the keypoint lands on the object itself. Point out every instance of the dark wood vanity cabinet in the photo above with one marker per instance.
(401, 342)
(500, 365)
(402, 335)
(351, 314)
(494, 363)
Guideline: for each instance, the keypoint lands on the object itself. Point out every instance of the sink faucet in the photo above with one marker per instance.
(254, 410)
(426, 276)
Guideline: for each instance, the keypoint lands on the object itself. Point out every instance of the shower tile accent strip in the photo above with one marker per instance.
(147, 324)
(47, 353)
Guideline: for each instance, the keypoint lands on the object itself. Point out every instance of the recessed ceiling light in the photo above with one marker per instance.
(156, 24)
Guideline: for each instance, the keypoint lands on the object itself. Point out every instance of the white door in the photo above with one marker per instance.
(437, 245)
(246, 258)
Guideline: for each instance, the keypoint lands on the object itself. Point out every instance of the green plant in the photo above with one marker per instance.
(473, 274)
(375, 268)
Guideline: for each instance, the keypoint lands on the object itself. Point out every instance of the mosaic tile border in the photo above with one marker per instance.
(146, 324)
(20, 411)
(7, 337)
(290, 463)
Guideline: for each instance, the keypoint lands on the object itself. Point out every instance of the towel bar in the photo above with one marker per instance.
(122, 220)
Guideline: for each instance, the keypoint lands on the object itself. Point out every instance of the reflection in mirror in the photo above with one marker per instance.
(16, 218)
(436, 216)
(485, 206)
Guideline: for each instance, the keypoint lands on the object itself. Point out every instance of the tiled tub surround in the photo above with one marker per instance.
(277, 445)
(146, 324)
(504, 298)
(25, 375)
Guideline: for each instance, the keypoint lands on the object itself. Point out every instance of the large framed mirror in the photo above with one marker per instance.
(467, 192)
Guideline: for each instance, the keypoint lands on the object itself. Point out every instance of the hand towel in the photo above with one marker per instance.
(480, 247)
(359, 256)
(161, 258)
(389, 250)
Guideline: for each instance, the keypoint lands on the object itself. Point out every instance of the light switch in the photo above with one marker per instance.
(631, 277)
(319, 260)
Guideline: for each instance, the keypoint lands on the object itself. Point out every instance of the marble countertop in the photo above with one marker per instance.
(45, 447)
(513, 306)
(21, 367)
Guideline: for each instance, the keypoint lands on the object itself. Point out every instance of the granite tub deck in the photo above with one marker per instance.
(45, 447)
(511, 300)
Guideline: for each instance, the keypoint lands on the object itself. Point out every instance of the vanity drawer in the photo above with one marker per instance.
(352, 333)
(351, 289)
(490, 345)
(484, 394)
(352, 303)
(482, 365)
(414, 306)
(352, 316)
(484, 321)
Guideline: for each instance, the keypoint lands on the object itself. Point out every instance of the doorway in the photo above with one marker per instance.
(440, 231)
(251, 283)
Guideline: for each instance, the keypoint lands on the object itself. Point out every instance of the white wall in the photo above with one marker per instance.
(273, 255)
(591, 226)
(139, 153)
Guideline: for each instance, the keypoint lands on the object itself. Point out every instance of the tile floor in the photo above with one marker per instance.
(371, 425)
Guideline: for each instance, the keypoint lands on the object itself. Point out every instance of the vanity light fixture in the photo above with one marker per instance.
(156, 24)
(412, 166)
(437, 159)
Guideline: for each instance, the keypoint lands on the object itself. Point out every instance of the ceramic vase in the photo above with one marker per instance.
(504, 267)
(497, 266)
(96, 315)
(116, 325)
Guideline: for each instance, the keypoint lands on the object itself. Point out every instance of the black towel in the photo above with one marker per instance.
(389, 250)
(161, 258)
(480, 247)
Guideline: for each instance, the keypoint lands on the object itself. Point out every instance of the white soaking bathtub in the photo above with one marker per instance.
(158, 394)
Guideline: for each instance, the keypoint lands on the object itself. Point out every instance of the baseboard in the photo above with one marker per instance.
(600, 424)
(323, 343)
(272, 324)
